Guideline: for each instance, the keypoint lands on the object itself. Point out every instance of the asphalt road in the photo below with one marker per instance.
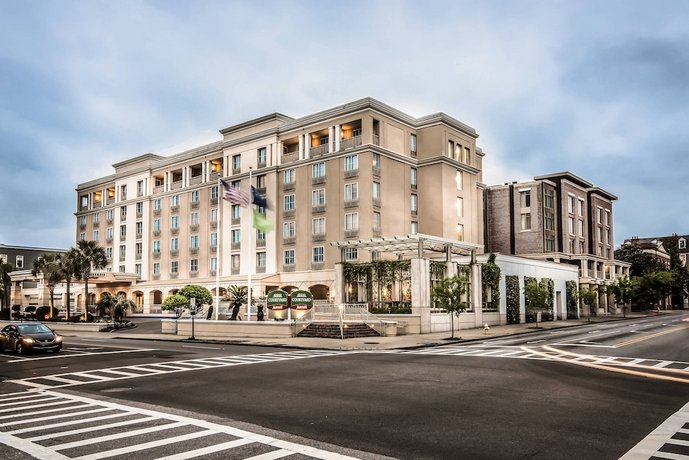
(585, 392)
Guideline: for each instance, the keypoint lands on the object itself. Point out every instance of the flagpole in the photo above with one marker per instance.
(219, 264)
(251, 249)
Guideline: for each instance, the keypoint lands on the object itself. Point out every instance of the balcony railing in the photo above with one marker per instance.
(156, 254)
(96, 223)
(214, 200)
(139, 235)
(195, 204)
(350, 143)
(174, 252)
(234, 271)
(176, 185)
(288, 267)
(194, 227)
(214, 249)
(318, 151)
(97, 204)
(193, 251)
(318, 237)
(288, 213)
(376, 171)
(156, 211)
(110, 200)
(318, 208)
(289, 186)
(351, 173)
(195, 180)
(174, 208)
(156, 232)
(318, 180)
(235, 220)
(138, 256)
(235, 245)
(158, 189)
(174, 230)
(289, 240)
(214, 224)
(260, 269)
(351, 203)
(351, 233)
(260, 243)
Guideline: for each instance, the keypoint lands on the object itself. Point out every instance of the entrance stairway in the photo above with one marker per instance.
(332, 331)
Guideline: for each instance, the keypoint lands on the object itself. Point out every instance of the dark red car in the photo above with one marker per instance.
(24, 337)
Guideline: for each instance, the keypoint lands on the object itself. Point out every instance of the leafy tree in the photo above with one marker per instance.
(642, 262)
(490, 277)
(90, 257)
(5, 270)
(105, 304)
(122, 304)
(70, 268)
(50, 266)
(201, 294)
(448, 296)
(624, 290)
(176, 303)
(537, 297)
(572, 299)
(589, 297)
(653, 287)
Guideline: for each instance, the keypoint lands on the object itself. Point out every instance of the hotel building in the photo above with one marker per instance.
(357, 171)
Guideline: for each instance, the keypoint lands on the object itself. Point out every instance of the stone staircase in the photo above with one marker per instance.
(332, 331)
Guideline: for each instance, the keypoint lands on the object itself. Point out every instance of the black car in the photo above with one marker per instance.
(23, 337)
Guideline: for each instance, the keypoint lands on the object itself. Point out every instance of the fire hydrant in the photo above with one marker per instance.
(486, 329)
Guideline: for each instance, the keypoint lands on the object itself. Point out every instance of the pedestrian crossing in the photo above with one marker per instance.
(52, 426)
(669, 441)
(70, 379)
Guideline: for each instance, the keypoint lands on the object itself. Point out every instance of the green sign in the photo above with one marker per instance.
(277, 300)
(301, 300)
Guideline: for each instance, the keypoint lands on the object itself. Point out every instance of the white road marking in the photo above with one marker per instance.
(58, 356)
(204, 348)
(226, 438)
(651, 444)
(537, 341)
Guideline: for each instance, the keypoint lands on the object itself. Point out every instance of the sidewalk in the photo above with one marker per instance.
(147, 328)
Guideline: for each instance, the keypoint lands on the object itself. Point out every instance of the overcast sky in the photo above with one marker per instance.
(598, 88)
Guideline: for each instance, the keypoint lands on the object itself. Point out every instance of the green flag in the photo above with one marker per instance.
(261, 223)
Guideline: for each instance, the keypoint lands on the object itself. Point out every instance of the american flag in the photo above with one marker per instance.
(234, 195)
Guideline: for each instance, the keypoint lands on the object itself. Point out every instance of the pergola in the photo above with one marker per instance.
(417, 248)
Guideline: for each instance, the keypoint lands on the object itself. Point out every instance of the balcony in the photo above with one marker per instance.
(318, 151)
(214, 249)
(351, 203)
(234, 271)
(195, 204)
(194, 180)
(260, 269)
(158, 189)
(156, 232)
(288, 213)
(351, 173)
(289, 186)
(139, 215)
(318, 209)
(235, 245)
(176, 185)
(138, 257)
(110, 200)
(194, 227)
(156, 212)
(318, 237)
(289, 240)
(156, 254)
(353, 233)
(288, 268)
(174, 252)
(350, 143)
(97, 204)
(193, 251)
(82, 226)
(174, 230)
(318, 180)
(108, 239)
(139, 236)
(96, 223)
(260, 243)
(214, 224)
(174, 208)
(108, 220)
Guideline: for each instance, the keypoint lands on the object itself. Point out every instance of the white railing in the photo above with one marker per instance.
(340, 314)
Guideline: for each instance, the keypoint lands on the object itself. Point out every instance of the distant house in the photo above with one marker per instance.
(22, 259)
(653, 246)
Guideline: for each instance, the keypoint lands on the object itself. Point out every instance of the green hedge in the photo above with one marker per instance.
(512, 299)
(572, 305)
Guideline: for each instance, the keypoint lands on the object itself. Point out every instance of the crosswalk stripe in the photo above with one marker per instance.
(209, 450)
(271, 455)
(61, 434)
(71, 422)
(19, 403)
(45, 411)
(120, 435)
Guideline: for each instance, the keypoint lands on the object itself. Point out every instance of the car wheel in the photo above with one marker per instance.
(19, 348)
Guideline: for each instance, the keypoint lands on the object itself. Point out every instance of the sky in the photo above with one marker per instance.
(598, 88)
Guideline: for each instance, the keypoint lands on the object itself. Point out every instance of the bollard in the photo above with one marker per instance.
(486, 329)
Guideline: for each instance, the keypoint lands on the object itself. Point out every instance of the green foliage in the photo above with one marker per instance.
(512, 299)
(572, 299)
(549, 285)
(237, 295)
(642, 262)
(201, 294)
(105, 304)
(490, 275)
(653, 287)
(448, 296)
(589, 296)
(50, 266)
(536, 296)
(5, 270)
(176, 303)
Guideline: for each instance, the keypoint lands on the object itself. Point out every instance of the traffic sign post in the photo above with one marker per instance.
(192, 311)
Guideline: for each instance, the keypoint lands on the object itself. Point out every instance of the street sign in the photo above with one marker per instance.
(277, 300)
(301, 300)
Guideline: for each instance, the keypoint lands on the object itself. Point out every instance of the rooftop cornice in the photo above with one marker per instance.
(30, 248)
(566, 175)
(603, 193)
(137, 159)
(100, 181)
(256, 121)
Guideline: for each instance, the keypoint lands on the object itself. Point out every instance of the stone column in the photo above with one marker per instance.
(421, 292)
(331, 135)
(300, 153)
(338, 137)
(307, 145)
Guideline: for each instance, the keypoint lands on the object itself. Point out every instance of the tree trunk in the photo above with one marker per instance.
(86, 295)
(68, 298)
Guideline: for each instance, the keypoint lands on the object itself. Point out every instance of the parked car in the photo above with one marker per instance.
(24, 337)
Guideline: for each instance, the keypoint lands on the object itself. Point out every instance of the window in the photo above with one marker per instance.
(570, 221)
(137, 270)
(412, 144)
(139, 208)
(450, 148)
(214, 264)
(607, 236)
(236, 236)
(526, 221)
(317, 255)
(376, 160)
(139, 229)
(261, 181)
(550, 243)
(123, 212)
(108, 215)
(174, 200)
(352, 221)
(581, 248)
(260, 260)
(140, 188)
(376, 191)
(261, 157)
(351, 191)
(108, 253)
(194, 218)
(138, 249)
(548, 199)
(571, 246)
(123, 192)
(570, 204)
(156, 225)
(234, 262)
(123, 232)
(122, 269)
(96, 218)
(460, 207)
(96, 235)
(82, 236)
(581, 228)
(414, 203)
(174, 266)
(289, 202)
(156, 246)
(174, 222)
(3, 258)
(549, 221)
(607, 217)
(214, 214)
(467, 155)
(194, 265)
(376, 221)
(19, 262)
(157, 204)
(194, 242)
(458, 152)
(460, 232)
(260, 236)
(214, 192)
(318, 197)
(288, 258)
(214, 239)
(82, 220)
(156, 268)
(288, 229)
(236, 163)
(412, 177)
(600, 215)
(318, 170)
(236, 211)
(194, 196)
(351, 163)
(174, 244)
(682, 243)
(414, 228)
(525, 199)
(108, 233)
(318, 226)
(459, 179)
(581, 207)
(600, 234)
(289, 176)
(123, 251)
(351, 253)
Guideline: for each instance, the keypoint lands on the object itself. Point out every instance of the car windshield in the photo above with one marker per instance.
(33, 328)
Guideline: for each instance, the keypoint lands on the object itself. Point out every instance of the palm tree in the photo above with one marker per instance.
(91, 257)
(70, 269)
(51, 267)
